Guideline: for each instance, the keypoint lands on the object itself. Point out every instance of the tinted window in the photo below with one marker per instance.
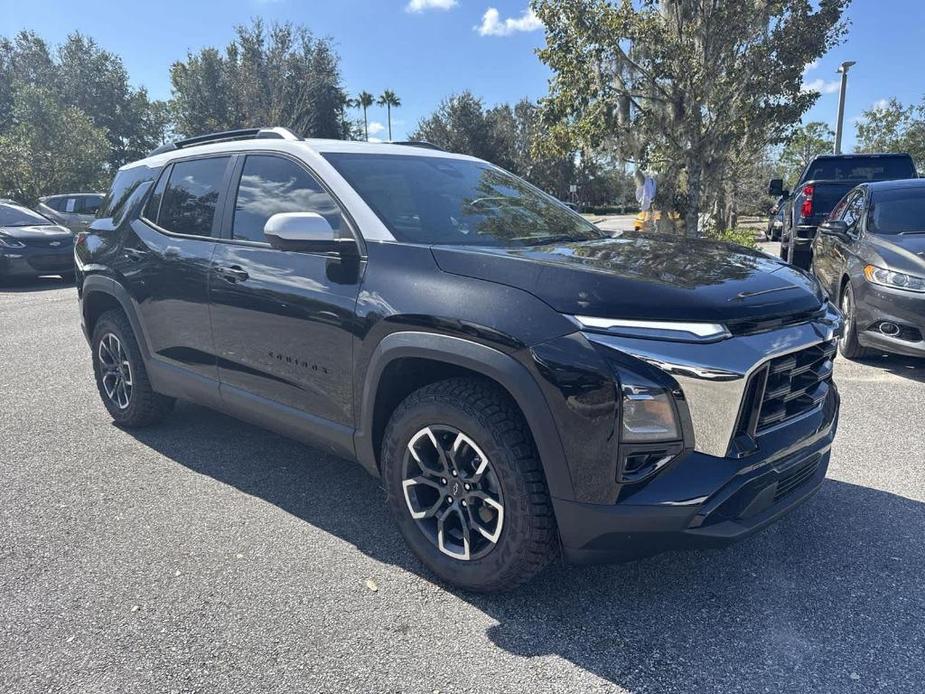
(57, 204)
(123, 185)
(153, 205)
(191, 196)
(897, 211)
(428, 199)
(853, 210)
(16, 216)
(270, 185)
(860, 169)
(89, 204)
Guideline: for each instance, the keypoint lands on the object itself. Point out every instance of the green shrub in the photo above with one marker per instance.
(739, 235)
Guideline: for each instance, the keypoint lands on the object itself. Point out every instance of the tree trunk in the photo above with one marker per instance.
(388, 108)
(692, 213)
(365, 125)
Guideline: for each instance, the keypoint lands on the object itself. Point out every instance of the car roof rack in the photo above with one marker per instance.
(423, 144)
(227, 136)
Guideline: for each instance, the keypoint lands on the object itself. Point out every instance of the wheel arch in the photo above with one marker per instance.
(405, 361)
(101, 294)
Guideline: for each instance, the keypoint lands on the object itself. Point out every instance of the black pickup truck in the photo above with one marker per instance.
(825, 181)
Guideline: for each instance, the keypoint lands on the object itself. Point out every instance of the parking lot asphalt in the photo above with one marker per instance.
(206, 555)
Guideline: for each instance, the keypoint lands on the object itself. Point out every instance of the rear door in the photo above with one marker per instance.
(166, 261)
(284, 321)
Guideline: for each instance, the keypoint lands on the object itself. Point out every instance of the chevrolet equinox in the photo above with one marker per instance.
(525, 385)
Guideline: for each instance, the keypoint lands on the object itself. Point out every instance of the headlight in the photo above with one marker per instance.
(7, 242)
(894, 280)
(648, 415)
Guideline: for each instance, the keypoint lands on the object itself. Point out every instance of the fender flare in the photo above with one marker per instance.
(496, 365)
(100, 284)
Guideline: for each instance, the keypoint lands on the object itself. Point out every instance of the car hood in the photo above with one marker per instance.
(649, 277)
(48, 232)
(903, 253)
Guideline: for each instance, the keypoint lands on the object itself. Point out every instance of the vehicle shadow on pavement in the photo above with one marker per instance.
(912, 368)
(830, 598)
(34, 284)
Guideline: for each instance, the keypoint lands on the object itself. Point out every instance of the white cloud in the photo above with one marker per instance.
(375, 127)
(821, 86)
(376, 140)
(422, 5)
(493, 25)
(810, 66)
(880, 104)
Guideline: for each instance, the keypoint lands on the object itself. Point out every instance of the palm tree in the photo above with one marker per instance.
(389, 99)
(364, 100)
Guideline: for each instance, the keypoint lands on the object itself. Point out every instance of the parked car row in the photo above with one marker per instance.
(41, 242)
(857, 222)
(869, 256)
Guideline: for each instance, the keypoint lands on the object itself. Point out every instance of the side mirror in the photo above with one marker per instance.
(308, 232)
(776, 187)
(834, 227)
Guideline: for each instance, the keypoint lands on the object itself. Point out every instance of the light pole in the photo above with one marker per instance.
(839, 124)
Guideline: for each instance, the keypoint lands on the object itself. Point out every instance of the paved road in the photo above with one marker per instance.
(204, 555)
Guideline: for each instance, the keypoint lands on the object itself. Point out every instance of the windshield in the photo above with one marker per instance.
(897, 211)
(438, 200)
(16, 216)
(860, 169)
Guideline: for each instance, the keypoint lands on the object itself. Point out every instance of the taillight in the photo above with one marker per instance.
(806, 209)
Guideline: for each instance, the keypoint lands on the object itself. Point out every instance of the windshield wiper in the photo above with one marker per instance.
(910, 233)
(543, 240)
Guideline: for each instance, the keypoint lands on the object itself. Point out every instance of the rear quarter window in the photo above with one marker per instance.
(124, 184)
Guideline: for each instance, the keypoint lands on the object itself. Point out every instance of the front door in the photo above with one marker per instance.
(283, 321)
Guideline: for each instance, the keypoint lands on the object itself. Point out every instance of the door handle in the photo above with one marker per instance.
(232, 274)
(135, 254)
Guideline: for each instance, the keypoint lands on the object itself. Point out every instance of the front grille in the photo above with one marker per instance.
(795, 383)
(61, 241)
(755, 326)
(796, 477)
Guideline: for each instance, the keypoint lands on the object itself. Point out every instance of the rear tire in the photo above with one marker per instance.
(849, 346)
(120, 374)
(520, 517)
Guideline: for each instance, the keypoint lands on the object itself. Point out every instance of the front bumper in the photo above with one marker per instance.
(32, 262)
(704, 501)
(743, 465)
(875, 304)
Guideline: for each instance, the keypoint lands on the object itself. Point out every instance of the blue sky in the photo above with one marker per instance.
(444, 46)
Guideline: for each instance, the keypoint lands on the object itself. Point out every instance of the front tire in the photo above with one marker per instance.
(466, 487)
(120, 374)
(848, 345)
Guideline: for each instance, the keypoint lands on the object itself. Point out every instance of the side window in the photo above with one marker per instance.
(191, 196)
(153, 206)
(853, 210)
(124, 184)
(89, 204)
(270, 185)
(57, 204)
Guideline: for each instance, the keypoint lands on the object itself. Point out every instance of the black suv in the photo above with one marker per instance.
(524, 384)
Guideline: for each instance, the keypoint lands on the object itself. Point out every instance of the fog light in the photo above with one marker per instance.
(889, 329)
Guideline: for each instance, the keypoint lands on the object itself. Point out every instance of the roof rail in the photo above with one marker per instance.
(227, 136)
(418, 143)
